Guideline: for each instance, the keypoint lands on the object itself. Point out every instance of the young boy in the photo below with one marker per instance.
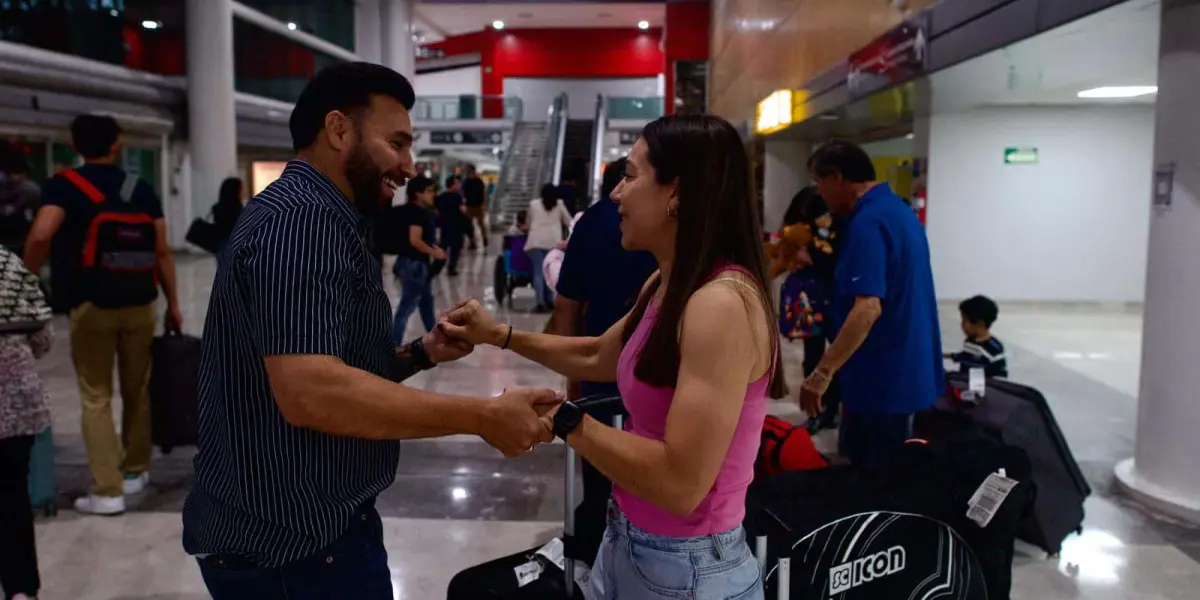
(980, 350)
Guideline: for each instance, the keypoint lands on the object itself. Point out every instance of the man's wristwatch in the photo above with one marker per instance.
(567, 419)
(419, 357)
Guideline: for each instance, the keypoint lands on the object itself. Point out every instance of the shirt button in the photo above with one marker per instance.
(329, 560)
(364, 517)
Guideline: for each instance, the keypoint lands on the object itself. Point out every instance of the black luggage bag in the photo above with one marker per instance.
(1019, 415)
(174, 390)
(583, 531)
(823, 522)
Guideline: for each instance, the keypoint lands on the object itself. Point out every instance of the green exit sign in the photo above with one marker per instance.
(1020, 156)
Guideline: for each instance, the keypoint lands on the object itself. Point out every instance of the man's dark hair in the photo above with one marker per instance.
(980, 309)
(94, 135)
(416, 185)
(344, 87)
(470, 168)
(613, 173)
(850, 160)
(451, 181)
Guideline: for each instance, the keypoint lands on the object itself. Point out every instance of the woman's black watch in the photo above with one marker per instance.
(567, 419)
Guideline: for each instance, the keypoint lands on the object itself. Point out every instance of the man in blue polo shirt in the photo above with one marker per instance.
(599, 280)
(887, 354)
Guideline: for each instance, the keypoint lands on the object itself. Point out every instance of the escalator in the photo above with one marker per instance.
(576, 161)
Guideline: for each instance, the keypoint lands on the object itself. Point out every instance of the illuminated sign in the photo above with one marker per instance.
(774, 113)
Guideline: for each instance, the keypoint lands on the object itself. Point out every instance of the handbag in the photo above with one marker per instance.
(23, 306)
(205, 234)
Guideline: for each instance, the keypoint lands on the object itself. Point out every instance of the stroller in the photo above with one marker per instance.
(829, 533)
(513, 269)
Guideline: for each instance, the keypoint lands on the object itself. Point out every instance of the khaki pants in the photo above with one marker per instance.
(478, 216)
(98, 336)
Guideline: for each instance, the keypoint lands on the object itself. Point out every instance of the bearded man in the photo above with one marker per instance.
(301, 410)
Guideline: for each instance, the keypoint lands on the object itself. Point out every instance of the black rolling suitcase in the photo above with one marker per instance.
(174, 383)
(1019, 416)
(527, 575)
(935, 512)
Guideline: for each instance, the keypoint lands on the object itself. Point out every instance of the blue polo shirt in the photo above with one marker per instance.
(598, 272)
(885, 255)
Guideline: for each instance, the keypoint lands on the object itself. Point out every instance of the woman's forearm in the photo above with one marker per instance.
(571, 357)
(638, 465)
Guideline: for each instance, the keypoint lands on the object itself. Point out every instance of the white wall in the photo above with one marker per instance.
(451, 82)
(538, 94)
(1073, 227)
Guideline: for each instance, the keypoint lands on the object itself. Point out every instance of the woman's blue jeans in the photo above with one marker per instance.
(541, 290)
(633, 564)
(416, 293)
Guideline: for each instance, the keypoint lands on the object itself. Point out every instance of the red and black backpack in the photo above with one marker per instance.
(118, 265)
(786, 447)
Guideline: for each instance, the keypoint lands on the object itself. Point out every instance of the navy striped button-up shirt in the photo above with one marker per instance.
(297, 279)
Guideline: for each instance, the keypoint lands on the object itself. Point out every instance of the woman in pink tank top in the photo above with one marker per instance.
(694, 360)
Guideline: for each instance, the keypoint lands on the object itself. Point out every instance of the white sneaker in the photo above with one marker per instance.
(136, 484)
(100, 505)
(23, 597)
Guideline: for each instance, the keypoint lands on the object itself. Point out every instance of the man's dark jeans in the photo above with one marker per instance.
(355, 566)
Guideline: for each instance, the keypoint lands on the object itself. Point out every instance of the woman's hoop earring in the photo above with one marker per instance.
(672, 211)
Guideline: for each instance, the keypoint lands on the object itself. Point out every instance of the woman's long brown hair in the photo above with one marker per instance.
(718, 222)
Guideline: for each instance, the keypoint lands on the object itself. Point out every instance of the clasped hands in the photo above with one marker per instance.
(515, 421)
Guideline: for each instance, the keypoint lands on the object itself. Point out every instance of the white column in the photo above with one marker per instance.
(367, 32)
(212, 121)
(784, 173)
(396, 19)
(1164, 471)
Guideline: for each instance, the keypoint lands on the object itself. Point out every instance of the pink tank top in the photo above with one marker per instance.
(724, 507)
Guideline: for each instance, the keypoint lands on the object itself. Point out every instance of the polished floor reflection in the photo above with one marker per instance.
(456, 502)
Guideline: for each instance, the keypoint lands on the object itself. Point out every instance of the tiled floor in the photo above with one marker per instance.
(456, 502)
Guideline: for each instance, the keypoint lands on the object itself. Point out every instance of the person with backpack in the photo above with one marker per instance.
(110, 224)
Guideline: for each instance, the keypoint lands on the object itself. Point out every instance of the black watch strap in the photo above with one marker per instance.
(567, 420)
(419, 357)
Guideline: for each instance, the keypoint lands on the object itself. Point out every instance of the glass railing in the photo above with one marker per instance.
(466, 108)
(644, 108)
(283, 77)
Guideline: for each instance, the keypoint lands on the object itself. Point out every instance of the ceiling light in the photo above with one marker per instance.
(292, 26)
(458, 493)
(643, 24)
(910, 136)
(497, 24)
(151, 24)
(1121, 91)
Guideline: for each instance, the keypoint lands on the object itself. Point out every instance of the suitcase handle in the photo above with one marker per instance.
(598, 407)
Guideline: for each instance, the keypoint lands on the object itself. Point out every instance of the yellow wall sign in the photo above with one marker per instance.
(774, 113)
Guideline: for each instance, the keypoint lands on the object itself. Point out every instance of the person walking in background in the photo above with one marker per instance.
(97, 212)
(599, 281)
(455, 224)
(475, 193)
(888, 349)
(548, 217)
(24, 413)
(228, 208)
(414, 249)
(19, 197)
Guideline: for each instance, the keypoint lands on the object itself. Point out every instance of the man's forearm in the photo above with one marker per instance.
(166, 272)
(36, 252)
(342, 400)
(852, 335)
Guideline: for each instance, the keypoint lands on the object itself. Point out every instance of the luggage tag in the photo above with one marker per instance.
(986, 501)
(553, 552)
(528, 572)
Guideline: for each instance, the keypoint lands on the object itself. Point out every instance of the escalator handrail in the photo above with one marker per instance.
(599, 130)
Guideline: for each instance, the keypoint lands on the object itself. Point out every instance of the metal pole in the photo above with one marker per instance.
(783, 579)
(569, 520)
(760, 552)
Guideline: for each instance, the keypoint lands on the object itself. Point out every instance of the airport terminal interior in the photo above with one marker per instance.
(1050, 149)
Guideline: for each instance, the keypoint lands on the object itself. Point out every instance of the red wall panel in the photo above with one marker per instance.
(563, 53)
(685, 37)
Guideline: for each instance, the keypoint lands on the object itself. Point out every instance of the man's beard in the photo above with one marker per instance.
(366, 181)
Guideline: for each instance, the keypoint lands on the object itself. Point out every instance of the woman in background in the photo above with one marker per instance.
(228, 209)
(24, 413)
(548, 216)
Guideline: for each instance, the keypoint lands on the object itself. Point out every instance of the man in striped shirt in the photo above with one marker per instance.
(300, 410)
